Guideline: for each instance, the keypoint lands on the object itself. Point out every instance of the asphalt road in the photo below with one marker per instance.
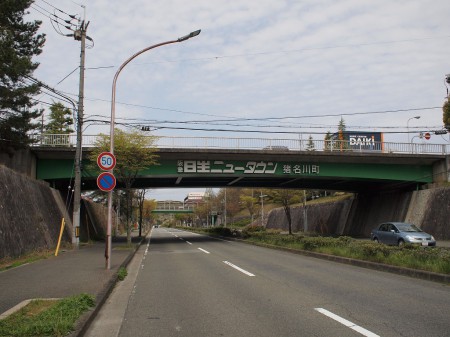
(191, 285)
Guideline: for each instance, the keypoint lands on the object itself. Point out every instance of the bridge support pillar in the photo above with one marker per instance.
(441, 171)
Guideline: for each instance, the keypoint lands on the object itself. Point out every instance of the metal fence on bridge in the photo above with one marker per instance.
(266, 144)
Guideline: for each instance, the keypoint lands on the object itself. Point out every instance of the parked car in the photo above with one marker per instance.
(399, 233)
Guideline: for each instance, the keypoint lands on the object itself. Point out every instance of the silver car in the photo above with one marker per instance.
(399, 233)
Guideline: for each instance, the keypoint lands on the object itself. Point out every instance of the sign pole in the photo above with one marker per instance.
(106, 182)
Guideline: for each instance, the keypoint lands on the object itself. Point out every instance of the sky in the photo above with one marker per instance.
(308, 63)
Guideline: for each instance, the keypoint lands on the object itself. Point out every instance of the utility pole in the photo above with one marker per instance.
(305, 213)
(79, 35)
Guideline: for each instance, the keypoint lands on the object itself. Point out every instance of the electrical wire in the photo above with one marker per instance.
(59, 10)
(265, 53)
(260, 119)
(55, 19)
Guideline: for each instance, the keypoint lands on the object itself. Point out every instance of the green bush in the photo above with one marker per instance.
(222, 231)
(241, 223)
(122, 274)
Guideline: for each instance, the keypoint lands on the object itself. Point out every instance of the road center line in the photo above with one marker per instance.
(347, 323)
(204, 251)
(237, 268)
(188, 242)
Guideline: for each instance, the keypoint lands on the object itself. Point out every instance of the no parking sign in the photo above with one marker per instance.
(106, 181)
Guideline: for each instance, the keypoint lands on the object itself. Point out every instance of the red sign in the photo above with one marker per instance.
(106, 161)
(427, 136)
(106, 181)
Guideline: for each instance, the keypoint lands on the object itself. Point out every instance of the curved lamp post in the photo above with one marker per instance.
(113, 112)
(407, 126)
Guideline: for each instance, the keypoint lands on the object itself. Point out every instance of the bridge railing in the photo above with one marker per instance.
(266, 144)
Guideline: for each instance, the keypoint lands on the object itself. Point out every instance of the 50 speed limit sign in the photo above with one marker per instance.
(106, 161)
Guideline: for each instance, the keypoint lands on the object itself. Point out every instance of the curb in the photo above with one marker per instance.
(87, 318)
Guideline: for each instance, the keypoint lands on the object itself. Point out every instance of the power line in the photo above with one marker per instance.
(265, 118)
(59, 10)
(265, 53)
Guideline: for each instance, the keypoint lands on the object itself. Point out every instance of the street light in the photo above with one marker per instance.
(262, 207)
(111, 132)
(407, 126)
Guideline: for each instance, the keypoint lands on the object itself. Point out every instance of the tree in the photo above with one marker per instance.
(287, 197)
(134, 152)
(342, 143)
(61, 120)
(310, 146)
(328, 141)
(19, 42)
(232, 202)
(59, 124)
(249, 201)
(140, 196)
(446, 115)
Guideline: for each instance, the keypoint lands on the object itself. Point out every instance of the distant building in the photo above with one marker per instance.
(169, 204)
(193, 199)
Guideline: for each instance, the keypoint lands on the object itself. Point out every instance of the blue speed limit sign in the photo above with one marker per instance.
(106, 161)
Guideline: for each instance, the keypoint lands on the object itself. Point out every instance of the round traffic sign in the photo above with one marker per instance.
(106, 161)
(427, 136)
(106, 181)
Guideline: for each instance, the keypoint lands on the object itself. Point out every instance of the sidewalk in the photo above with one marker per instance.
(72, 272)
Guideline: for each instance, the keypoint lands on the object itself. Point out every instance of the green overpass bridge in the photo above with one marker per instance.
(189, 162)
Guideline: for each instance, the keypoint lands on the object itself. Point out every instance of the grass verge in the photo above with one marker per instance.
(8, 263)
(46, 318)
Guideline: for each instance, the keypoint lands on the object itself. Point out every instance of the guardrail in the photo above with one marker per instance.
(281, 145)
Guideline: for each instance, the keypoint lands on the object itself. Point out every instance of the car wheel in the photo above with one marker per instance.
(401, 243)
(376, 240)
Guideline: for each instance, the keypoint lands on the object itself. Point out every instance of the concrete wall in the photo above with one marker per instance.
(428, 209)
(94, 220)
(22, 161)
(369, 210)
(30, 218)
(325, 218)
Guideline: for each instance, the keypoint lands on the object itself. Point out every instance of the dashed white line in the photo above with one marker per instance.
(347, 323)
(238, 268)
(189, 242)
(204, 251)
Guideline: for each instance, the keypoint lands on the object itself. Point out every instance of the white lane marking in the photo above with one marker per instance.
(204, 251)
(347, 323)
(188, 242)
(238, 268)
